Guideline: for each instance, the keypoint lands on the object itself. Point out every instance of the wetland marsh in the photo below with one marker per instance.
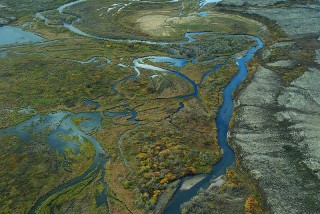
(116, 112)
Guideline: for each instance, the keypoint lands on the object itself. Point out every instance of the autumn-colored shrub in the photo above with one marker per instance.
(251, 206)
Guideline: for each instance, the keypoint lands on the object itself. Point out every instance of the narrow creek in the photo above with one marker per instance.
(61, 122)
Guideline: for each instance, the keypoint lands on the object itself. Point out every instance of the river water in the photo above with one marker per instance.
(222, 123)
(60, 123)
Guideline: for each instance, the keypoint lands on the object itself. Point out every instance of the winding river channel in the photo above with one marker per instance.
(59, 125)
(222, 122)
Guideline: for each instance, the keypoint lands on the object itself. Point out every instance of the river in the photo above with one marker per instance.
(60, 122)
(222, 123)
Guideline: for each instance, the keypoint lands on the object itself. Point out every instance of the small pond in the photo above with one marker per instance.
(11, 35)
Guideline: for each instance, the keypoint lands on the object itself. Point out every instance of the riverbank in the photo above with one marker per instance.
(275, 130)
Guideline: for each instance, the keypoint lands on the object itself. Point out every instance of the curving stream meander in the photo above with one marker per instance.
(60, 123)
(222, 122)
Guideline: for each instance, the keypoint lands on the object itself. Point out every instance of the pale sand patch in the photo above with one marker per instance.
(152, 21)
(217, 182)
(182, 20)
(161, 24)
(153, 24)
(189, 183)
